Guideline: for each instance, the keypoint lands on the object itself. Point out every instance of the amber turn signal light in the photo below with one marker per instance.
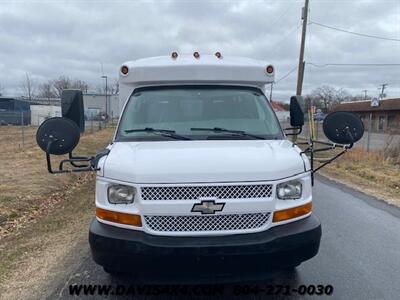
(291, 213)
(117, 217)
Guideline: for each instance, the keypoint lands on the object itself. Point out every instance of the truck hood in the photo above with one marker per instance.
(203, 161)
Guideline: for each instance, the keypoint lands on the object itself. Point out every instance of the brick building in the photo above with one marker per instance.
(385, 117)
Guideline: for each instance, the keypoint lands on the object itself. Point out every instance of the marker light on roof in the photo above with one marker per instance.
(174, 55)
(218, 54)
(196, 55)
(124, 70)
(270, 69)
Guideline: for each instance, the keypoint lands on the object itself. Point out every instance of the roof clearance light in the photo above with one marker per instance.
(124, 70)
(270, 69)
(218, 55)
(174, 55)
(196, 55)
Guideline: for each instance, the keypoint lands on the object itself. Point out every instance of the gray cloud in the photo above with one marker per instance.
(73, 38)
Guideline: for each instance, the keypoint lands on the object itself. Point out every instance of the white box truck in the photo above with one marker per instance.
(200, 178)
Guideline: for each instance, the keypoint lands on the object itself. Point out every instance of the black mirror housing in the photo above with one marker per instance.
(58, 136)
(72, 107)
(296, 111)
(343, 127)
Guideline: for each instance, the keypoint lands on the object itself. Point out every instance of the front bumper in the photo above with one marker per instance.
(144, 254)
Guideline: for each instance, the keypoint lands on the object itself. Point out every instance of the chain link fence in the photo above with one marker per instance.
(387, 142)
(18, 131)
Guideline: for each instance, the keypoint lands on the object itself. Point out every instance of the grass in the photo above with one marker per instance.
(27, 190)
(57, 208)
(370, 172)
(34, 255)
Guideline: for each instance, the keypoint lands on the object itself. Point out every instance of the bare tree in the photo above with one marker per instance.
(27, 86)
(60, 84)
(1, 90)
(341, 95)
(115, 87)
(64, 82)
(46, 90)
(325, 94)
(80, 85)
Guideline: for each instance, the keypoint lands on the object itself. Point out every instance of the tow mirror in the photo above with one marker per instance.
(343, 127)
(72, 107)
(58, 136)
(296, 111)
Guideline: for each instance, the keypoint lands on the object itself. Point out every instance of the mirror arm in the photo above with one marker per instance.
(351, 138)
(331, 146)
(49, 169)
(330, 160)
(91, 165)
(74, 158)
(298, 128)
(61, 165)
(71, 160)
(48, 159)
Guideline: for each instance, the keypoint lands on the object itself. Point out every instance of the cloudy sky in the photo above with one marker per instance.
(75, 38)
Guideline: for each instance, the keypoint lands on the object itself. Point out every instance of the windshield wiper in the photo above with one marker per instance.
(162, 132)
(233, 132)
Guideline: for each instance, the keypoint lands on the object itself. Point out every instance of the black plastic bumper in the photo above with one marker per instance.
(141, 253)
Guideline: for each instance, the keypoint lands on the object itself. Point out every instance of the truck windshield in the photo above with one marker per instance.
(241, 113)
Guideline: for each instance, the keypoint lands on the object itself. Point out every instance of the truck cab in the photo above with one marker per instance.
(200, 179)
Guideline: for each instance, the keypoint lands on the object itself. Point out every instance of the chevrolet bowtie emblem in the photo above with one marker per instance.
(207, 207)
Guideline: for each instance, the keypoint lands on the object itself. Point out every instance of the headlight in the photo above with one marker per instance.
(289, 190)
(121, 194)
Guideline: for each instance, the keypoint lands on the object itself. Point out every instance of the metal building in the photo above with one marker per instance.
(14, 111)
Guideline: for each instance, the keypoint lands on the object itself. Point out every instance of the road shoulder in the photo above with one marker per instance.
(361, 193)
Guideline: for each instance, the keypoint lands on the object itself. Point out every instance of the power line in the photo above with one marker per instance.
(281, 16)
(287, 74)
(355, 33)
(353, 64)
(278, 44)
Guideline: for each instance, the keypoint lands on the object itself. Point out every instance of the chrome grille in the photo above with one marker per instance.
(206, 223)
(214, 191)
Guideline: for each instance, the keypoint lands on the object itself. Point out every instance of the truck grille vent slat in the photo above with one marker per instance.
(206, 223)
(212, 191)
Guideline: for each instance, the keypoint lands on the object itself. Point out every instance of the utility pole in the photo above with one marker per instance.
(383, 85)
(365, 94)
(300, 69)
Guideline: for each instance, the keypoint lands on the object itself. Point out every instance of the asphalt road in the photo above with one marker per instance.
(359, 254)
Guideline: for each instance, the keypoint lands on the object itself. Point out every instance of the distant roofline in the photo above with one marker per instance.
(369, 100)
